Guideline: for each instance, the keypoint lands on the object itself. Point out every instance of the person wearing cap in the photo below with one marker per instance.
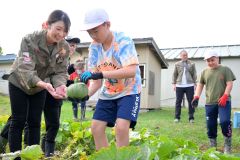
(218, 81)
(73, 42)
(75, 76)
(114, 67)
(40, 68)
(184, 80)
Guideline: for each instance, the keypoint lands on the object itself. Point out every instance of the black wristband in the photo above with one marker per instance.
(97, 75)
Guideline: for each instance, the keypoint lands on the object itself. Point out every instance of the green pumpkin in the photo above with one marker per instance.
(77, 90)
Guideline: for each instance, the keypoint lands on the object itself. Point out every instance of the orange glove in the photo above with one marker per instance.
(223, 100)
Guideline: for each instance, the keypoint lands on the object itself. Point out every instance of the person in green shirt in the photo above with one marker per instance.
(218, 81)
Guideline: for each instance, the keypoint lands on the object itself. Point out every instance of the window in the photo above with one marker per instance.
(143, 74)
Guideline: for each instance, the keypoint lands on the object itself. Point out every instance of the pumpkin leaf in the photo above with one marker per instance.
(33, 152)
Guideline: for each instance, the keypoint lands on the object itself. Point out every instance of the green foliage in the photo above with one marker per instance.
(148, 145)
(3, 120)
(75, 139)
(156, 146)
(33, 152)
(113, 153)
(4, 105)
(156, 138)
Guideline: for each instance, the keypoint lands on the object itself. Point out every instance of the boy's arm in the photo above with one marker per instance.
(94, 86)
(228, 88)
(126, 72)
(199, 89)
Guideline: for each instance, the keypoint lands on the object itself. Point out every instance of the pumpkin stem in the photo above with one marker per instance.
(76, 80)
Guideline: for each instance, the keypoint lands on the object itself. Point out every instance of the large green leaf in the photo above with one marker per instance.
(146, 153)
(166, 148)
(227, 156)
(113, 153)
(105, 154)
(128, 153)
(33, 152)
(185, 157)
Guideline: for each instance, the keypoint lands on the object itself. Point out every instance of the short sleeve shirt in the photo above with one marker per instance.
(215, 82)
(121, 54)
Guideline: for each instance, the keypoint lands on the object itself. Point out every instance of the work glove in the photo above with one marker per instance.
(223, 100)
(69, 82)
(85, 76)
(70, 69)
(195, 101)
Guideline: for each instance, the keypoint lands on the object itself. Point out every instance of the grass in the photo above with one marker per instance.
(4, 105)
(160, 121)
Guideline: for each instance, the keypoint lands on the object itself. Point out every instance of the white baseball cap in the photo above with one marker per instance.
(94, 18)
(210, 53)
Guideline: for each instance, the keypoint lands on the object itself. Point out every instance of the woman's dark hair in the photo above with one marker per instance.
(59, 15)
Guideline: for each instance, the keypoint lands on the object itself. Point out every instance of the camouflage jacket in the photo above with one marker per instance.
(35, 62)
(191, 73)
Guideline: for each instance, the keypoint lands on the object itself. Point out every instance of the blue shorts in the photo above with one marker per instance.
(126, 107)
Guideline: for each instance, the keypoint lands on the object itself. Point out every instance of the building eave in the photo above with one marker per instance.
(7, 61)
(154, 47)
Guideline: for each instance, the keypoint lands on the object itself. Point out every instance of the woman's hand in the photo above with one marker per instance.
(52, 91)
(59, 93)
(62, 91)
(47, 86)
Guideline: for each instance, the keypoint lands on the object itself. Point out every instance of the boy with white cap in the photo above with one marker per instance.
(219, 81)
(112, 57)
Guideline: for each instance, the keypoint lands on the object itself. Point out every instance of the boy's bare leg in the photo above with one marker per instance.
(98, 130)
(122, 132)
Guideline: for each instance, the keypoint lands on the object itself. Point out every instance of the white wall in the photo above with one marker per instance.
(234, 64)
(3, 86)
